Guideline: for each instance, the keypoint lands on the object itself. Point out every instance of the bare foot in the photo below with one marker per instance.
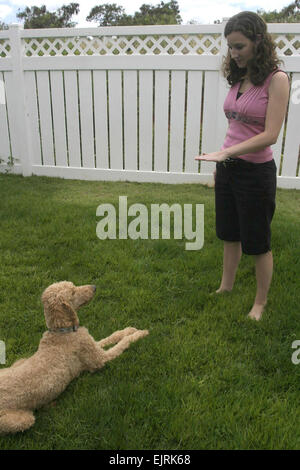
(220, 291)
(256, 311)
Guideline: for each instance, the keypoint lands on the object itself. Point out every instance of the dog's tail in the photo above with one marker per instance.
(12, 421)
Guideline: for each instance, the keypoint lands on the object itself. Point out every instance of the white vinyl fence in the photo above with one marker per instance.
(127, 103)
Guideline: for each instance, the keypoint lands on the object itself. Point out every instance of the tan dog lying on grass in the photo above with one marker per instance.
(65, 351)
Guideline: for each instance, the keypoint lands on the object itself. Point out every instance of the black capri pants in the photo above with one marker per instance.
(245, 203)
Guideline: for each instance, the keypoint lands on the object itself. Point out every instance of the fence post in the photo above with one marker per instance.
(23, 125)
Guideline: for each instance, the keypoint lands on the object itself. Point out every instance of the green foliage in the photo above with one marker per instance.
(111, 14)
(288, 14)
(40, 17)
(8, 162)
(114, 15)
(3, 25)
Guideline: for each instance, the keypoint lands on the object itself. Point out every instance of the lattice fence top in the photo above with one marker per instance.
(161, 44)
(125, 45)
(193, 44)
(4, 47)
(287, 44)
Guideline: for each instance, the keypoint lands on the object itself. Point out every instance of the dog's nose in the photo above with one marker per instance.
(94, 287)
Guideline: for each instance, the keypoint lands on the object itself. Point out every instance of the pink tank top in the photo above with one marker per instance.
(246, 117)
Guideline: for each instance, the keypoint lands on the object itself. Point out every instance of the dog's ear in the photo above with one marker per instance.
(59, 313)
(71, 315)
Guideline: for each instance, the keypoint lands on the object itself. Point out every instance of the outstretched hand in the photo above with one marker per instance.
(213, 157)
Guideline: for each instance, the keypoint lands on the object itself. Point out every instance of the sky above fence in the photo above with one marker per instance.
(202, 11)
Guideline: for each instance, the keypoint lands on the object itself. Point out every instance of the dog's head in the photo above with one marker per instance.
(61, 300)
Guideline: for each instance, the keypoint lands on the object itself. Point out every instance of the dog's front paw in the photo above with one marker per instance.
(143, 333)
(136, 336)
(129, 331)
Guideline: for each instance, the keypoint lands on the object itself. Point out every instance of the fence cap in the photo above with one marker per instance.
(16, 26)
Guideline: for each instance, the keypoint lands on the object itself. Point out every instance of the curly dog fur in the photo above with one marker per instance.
(65, 351)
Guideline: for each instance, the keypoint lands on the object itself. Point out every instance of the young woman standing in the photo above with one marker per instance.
(245, 179)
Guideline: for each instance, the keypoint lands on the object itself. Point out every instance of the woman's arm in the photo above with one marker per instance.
(276, 111)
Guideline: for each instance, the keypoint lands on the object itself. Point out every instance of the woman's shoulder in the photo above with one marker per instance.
(276, 76)
(279, 84)
(279, 78)
(279, 75)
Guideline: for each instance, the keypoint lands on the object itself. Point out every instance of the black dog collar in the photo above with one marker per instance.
(63, 330)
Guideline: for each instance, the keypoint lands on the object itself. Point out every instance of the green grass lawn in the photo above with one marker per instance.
(206, 377)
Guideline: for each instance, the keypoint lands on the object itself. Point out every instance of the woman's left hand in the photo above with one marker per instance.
(213, 157)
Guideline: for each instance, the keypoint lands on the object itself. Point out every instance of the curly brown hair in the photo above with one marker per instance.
(264, 60)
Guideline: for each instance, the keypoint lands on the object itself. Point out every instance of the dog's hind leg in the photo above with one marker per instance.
(15, 364)
(18, 363)
(12, 421)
